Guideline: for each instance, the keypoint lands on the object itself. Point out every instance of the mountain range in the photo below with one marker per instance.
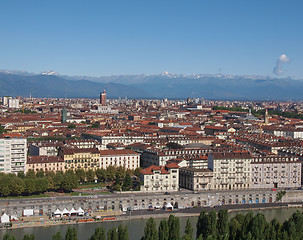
(165, 85)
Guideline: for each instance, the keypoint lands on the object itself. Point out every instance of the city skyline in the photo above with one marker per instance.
(114, 38)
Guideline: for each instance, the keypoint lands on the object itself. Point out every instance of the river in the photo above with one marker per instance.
(135, 227)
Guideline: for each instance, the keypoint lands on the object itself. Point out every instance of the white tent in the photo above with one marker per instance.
(65, 212)
(4, 218)
(169, 206)
(57, 213)
(80, 212)
(72, 212)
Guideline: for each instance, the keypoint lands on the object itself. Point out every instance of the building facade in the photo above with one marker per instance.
(231, 170)
(119, 158)
(276, 172)
(196, 179)
(13, 154)
(80, 158)
(160, 178)
(45, 163)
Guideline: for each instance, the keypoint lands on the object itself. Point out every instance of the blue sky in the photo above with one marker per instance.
(132, 37)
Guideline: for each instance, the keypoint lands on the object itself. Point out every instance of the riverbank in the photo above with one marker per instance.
(158, 214)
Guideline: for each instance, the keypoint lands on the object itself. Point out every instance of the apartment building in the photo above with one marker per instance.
(160, 178)
(119, 158)
(276, 171)
(196, 179)
(45, 163)
(160, 157)
(77, 158)
(231, 170)
(13, 153)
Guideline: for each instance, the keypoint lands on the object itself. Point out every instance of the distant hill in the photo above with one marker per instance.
(169, 85)
(56, 86)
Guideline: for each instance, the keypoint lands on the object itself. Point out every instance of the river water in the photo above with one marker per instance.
(135, 227)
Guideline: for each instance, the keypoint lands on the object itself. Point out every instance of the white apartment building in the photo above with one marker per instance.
(160, 178)
(13, 103)
(276, 171)
(119, 158)
(231, 170)
(13, 154)
(160, 157)
(196, 179)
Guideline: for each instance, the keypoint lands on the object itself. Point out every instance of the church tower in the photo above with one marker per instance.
(103, 98)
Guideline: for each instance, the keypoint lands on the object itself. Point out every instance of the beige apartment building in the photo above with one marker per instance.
(160, 178)
(77, 158)
(276, 172)
(231, 170)
(45, 163)
(119, 158)
(196, 179)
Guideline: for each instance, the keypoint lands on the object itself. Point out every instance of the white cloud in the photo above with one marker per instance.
(281, 60)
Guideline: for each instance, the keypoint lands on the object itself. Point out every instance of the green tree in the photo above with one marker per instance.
(127, 183)
(29, 186)
(21, 175)
(122, 233)
(163, 230)
(71, 234)
(71, 125)
(70, 181)
(80, 173)
(29, 237)
(222, 223)
(101, 174)
(58, 180)
(40, 174)
(57, 236)
(174, 227)
(90, 175)
(201, 224)
(8, 236)
(16, 186)
(189, 230)
(112, 234)
(30, 174)
(41, 185)
(99, 234)
(150, 230)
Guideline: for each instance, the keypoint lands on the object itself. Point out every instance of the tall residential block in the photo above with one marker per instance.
(13, 153)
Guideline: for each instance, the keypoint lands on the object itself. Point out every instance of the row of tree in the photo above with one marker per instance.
(210, 226)
(31, 183)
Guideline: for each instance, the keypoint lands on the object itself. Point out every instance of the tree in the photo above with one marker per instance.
(29, 186)
(30, 174)
(222, 223)
(69, 181)
(99, 234)
(173, 145)
(122, 233)
(112, 234)
(174, 227)
(80, 173)
(71, 234)
(58, 180)
(16, 186)
(90, 175)
(29, 237)
(71, 125)
(8, 236)
(40, 174)
(189, 230)
(101, 174)
(21, 175)
(163, 230)
(41, 185)
(127, 183)
(57, 236)
(150, 230)
(201, 224)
